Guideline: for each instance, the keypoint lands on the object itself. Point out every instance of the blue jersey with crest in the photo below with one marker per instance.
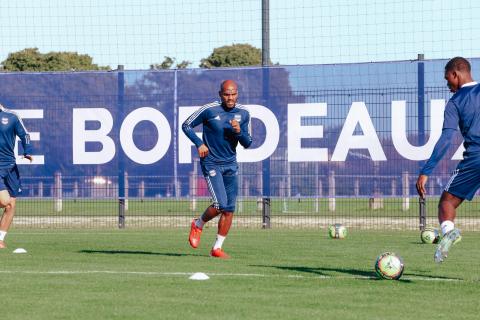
(11, 126)
(218, 134)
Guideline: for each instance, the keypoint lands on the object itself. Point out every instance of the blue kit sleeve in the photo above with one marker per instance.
(438, 151)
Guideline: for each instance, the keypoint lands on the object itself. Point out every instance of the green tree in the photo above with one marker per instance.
(168, 62)
(31, 59)
(236, 55)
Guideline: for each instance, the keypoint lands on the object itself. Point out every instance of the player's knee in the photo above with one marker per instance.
(4, 198)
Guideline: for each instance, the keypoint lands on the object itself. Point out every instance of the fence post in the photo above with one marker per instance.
(75, 190)
(423, 213)
(405, 192)
(331, 191)
(141, 190)
(266, 163)
(40, 189)
(126, 191)
(121, 156)
(194, 186)
(57, 192)
(356, 187)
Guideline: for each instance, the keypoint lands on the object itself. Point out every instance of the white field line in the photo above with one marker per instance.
(246, 275)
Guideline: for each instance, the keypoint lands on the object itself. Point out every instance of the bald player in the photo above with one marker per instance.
(461, 112)
(225, 124)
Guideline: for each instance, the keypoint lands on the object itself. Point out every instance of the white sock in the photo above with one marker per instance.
(3, 234)
(199, 223)
(447, 226)
(219, 242)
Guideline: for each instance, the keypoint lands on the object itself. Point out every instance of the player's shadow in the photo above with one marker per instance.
(323, 271)
(327, 272)
(136, 252)
(357, 274)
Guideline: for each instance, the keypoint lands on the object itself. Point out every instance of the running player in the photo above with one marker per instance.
(225, 124)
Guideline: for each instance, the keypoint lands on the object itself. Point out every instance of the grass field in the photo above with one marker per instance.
(273, 274)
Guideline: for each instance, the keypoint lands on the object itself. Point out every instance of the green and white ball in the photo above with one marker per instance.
(337, 231)
(430, 235)
(389, 266)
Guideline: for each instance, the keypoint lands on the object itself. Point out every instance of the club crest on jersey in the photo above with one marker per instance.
(212, 173)
(238, 117)
(4, 120)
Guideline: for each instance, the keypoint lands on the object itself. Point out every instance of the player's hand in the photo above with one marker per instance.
(29, 157)
(202, 151)
(235, 126)
(421, 182)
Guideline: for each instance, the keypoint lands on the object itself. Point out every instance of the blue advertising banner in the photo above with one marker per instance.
(357, 120)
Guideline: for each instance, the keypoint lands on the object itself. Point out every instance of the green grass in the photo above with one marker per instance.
(347, 207)
(273, 274)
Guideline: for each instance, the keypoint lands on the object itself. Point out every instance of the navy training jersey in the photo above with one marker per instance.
(463, 111)
(218, 134)
(11, 126)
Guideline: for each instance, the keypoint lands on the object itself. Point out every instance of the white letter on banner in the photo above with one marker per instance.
(297, 132)
(272, 135)
(184, 144)
(358, 115)
(399, 130)
(81, 135)
(34, 136)
(163, 129)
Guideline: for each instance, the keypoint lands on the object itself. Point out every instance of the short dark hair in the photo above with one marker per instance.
(458, 64)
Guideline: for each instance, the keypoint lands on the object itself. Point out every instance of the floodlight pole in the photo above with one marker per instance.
(266, 94)
(265, 33)
(421, 129)
(121, 155)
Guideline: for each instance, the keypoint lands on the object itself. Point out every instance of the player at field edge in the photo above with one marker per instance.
(462, 111)
(225, 124)
(11, 126)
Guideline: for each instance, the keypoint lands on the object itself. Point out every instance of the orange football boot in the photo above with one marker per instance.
(219, 253)
(195, 233)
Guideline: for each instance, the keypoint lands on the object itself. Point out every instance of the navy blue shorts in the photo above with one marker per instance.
(465, 179)
(222, 184)
(10, 180)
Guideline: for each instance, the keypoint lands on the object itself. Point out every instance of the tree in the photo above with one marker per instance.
(168, 63)
(236, 55)
(30, 59)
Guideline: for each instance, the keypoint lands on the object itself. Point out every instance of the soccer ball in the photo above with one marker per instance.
(430, 236)
(389, 266)
(337, 231)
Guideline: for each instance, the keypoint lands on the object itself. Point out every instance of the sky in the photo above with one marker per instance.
(138, 33)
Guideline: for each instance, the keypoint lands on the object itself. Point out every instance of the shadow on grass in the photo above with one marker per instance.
(356, 273)
(326, 272)
(322, 271)
(166, 254)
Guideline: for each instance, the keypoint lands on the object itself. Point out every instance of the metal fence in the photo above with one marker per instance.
(109, 151)
(92, 202)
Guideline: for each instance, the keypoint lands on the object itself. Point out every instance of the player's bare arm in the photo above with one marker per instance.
(421, 182)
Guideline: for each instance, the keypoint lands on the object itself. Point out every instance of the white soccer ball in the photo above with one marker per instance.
(430, 236)
(389, 266)
(337, 231)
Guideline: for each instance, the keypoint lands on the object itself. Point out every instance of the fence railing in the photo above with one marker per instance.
(380, 202)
